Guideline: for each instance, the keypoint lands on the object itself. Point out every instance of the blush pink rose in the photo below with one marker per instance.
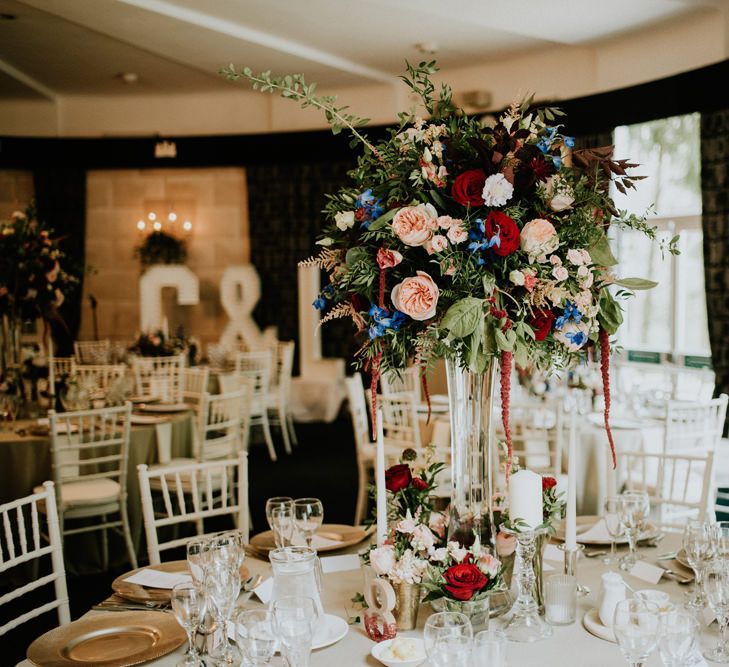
(414, 225)
(539, 237)
(386, 259)
(457, 234)
(505, 544)
(417, 297)
(445, 221)
(438, 243)
(383, 559)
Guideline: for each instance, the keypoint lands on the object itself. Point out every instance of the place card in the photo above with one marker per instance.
(339, 563)
(264, 590)
(155, 579)
(553, 552)
(647, 572)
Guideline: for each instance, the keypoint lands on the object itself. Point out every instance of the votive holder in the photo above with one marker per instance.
(489, 649)
(560, 599)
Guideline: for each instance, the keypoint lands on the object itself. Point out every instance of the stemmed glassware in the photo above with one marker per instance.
(636, 626)
(448, 638)
(198, 557)
(634, 508)
(282, 525)
(295, 618)
(222, 585)
(189, 606)
(277, 501)
(716, 587)
(678, 638)
(308, 517)
(614, 526)
(699, 546)
(721, 540)
(256, 635)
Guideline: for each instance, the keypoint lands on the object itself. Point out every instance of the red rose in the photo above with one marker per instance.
(501, 224)
(398, 477)
(548, 483)
(464, 580)
(419, 483)
(468, 187)
(542, 322)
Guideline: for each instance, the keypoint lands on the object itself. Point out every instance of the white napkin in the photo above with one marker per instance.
(596, 533)
(156, 579)
(317, 542)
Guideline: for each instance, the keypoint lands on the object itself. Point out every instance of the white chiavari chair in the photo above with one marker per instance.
(99, 376)
(21, 543)
(679, 485)
(63, 366)
(279, 395)
(364, 448)
(159, 376)
(403, 382)
(694, 427)
(190, 494)
(258, 367)
(194, 385)
(92, 351)
(400, 421)
(89, 450)
(538, 432)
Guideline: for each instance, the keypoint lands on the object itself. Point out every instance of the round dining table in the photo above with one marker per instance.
(570, 645)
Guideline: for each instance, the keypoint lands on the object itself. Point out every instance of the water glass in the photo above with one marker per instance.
(256, 635)
(560, 599)
(282, 525)
(721, 540)
(614, 526)
(678, 638)
(308, 516)
(699, 546)
(634, 509)
(189, 605)
(295, 618)
(277, 501)
(716, 587)
(489, 649)
(636, 626)
(222, 586)
(448, 637)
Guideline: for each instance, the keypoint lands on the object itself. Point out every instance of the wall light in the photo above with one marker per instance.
(187, 226)
(152, 215)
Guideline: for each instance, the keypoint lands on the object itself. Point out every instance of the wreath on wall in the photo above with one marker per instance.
(161, 248)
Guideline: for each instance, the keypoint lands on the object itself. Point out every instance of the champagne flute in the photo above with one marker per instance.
(282, 524)
(198, 558)
(448, 637)
(698, 545)
(614, 526)
(308, 517)
(634, 508)
(277, 501)
(188, 606)
(636, 626)
(222, 585)
(716, 587)
(721, 540)
(678, 638)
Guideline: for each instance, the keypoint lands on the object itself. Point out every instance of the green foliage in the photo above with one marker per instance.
(161, 248)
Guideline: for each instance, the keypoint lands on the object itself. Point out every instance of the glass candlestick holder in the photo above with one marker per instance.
(570, 565)
(525, 624)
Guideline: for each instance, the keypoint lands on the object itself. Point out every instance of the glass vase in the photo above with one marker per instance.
(478, 611)
(470, 397)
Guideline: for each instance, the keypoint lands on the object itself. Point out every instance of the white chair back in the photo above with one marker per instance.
(92, 351)
(194, 384)
(358, 410)
(192, 493)
(20, 543)
(63, 366)
(259, 367)
(219, 424)
(400, 421)
(402, 382)
(159, 376)
(99, 376)
(694, 427)
(538, 431)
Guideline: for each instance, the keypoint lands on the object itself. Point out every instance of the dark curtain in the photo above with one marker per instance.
(715, 223)
(60, 198)
(285, 204)
(596, 140)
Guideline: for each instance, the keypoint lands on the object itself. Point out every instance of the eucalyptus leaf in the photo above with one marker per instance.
(462, 318)
(382, 221)
(636, 283)
(601, 253)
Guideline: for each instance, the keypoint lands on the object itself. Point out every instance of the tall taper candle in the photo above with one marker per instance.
(570, 534)
(525, 498)
(380, 482)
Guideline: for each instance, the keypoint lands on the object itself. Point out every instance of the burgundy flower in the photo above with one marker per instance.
(398, 477)
(468, 187)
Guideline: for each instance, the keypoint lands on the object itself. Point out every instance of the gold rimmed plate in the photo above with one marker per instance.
(143, 594)
(112, 639)
(329, 537)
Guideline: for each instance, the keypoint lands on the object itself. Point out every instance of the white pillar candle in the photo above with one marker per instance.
(380, 482)
(570, 535)
(525, 498)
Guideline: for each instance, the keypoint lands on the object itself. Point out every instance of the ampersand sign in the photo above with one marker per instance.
(379, 621)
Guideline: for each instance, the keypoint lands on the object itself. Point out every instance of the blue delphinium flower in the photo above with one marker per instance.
(367, 208)
(557, 162)
(571, 312)
(577, 338)
(320, 303)
(543, 144)
(479, 243)
(569, 142)
(384, 320)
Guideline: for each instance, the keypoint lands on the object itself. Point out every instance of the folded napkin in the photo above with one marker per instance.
(596, 533)
(317, 542)
(151, 578)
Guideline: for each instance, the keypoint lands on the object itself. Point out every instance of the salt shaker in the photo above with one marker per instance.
(612, 592)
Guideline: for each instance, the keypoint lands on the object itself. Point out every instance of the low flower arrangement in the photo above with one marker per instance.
(156, 344)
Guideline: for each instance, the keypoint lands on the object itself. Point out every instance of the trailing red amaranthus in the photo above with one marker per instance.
(605, 370)
(426, 391)
(506, 359)
(374, 383)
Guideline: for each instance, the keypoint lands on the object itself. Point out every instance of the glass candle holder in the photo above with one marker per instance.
(560, 599)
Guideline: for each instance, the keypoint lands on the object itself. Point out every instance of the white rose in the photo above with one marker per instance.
(561, 202)
(497, 190)
(344, 220)
(438, 554)
(517, 277)
(586, 259)
(560, 273)
(382, 559)
(555, 260)
(423, 537)
(575, 256)
(406, 525)
(538, 238)
(457, 551)
(585, 277)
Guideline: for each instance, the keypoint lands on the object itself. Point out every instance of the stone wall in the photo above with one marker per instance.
(116, 201)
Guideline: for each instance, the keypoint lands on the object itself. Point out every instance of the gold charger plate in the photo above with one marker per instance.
(343, 535)
(584, 523)
(112, 639)
(137, 593)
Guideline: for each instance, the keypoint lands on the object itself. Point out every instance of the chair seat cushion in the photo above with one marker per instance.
(89, 492)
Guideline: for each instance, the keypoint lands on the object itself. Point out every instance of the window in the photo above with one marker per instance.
(672, 317)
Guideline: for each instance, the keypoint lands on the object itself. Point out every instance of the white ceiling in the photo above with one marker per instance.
(61, 47)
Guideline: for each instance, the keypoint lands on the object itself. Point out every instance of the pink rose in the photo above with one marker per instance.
(417, 297)
(382, 559)
(406, 525)
(414, 225)
(445, 221)
(438, 243)
(505, 544)
(530, 281)
(560, 273)
(438, 523)
(539, 237)
(423, 537)
(489, 565)
(386, 259)
(457, 234)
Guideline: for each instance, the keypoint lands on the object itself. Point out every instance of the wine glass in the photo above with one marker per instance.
(198, 557)
(448, 637)
(699, 547)
(634, 508)
(295, 618)
(721, 540)
(614, 526)
(225, 548)
(256, 635)
(308, 516)
(716, 588)
(636, 626)
(277, 501)
(222, 586)
(678, 638)
(282, 524)
(188, 605)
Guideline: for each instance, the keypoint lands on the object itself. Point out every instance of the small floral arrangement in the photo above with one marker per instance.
(161, 248)
(462, 574)
(156, 344)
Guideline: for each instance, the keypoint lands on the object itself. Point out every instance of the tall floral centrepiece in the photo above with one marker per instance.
(482, 242)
